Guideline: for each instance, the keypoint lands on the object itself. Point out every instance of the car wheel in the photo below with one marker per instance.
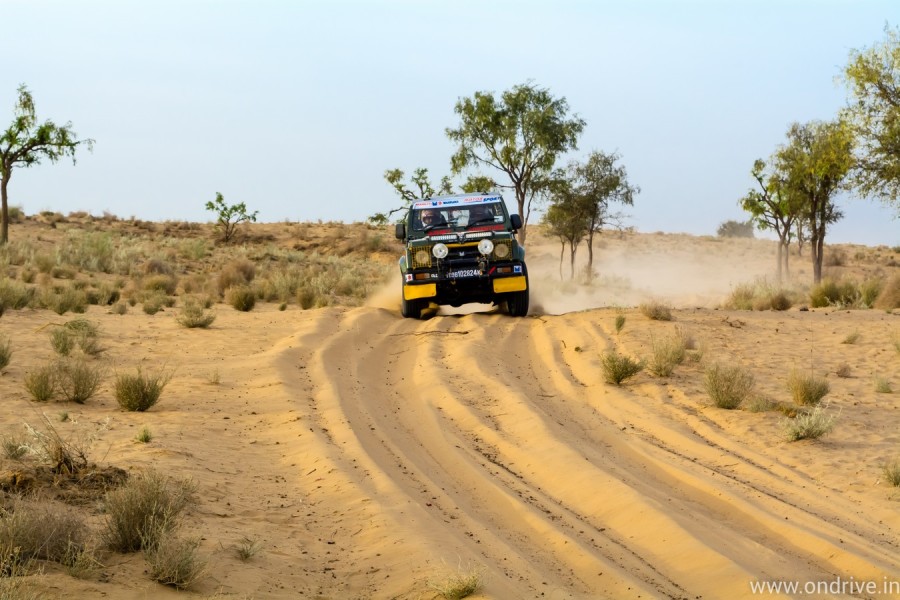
(517, 303)
(410, 309)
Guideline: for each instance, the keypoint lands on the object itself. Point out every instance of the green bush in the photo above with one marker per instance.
(193, 315)
(735, 229)
(241, 297)
(41, 383)
(76, 380)
(667, 354)
(5, 354)
(617, 367)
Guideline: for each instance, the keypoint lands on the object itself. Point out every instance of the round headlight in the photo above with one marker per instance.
(501, 250)
(440, 251)
(422, 257)
(486, 246)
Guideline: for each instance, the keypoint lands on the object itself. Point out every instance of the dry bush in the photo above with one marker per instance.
(63, 456)
(77, 381)
(63, 299)
(667, 354)
(728, 386)
(139, 392)
(14, 295)
(42, 531)
(5, 354)
(241, 297)
(883, 386)
(833, 293)
(618, 367)
(851, 338)
(891, 471)
(889, 297)
(656, 311)
(247, 548)
(809, 425)
(237, 272)
(62, 341)
(157, 266)
(620, 323)
(144, 436)
(174, 561)
(165, 284)
(143, 510)
(41, 383)
(807, 390)
(15, 446)
(193, 315)
(843, 371)
(456, 586)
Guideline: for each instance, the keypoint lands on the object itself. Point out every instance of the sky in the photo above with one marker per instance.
(297, 108)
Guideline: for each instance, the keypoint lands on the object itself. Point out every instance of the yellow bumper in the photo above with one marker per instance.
(510, 284)
(414, 292)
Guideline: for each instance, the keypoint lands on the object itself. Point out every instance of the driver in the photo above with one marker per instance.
(480, 213)
(431, 217)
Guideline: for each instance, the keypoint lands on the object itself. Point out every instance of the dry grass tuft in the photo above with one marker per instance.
(807, 390)
(656, 311)
(617, 367)
(247, 548)
(667, 354)
(809, 425)
(241, 297)
(889, 297)
(75, 380)
(174, 561)
(461, 584)
(193, 315)
(891, 472)
(5, 354)
(139, 392)
(728, 386)
(42, 531)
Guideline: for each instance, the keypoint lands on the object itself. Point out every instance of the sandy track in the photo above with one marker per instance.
(370, 454)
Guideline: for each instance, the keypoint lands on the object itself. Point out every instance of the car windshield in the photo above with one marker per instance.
(428, 219)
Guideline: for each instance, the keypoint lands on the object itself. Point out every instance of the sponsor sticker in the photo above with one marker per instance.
(409, 277)
(517, 268)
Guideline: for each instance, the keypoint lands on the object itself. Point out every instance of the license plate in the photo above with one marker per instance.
(464, 273)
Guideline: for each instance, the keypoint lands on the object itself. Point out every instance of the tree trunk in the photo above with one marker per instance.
(520, 202)
(590, 272)
(4, 208)
(780, 248)
(562, 252)
(818, 252)
(573, 248)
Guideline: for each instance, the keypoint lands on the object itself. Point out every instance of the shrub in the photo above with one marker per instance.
(63, 300)
(728, 386)
(883, 386)
(62, 341)
(160, 283)
(735, 229)
(807, 390)
(143, 510)
(247, 548)
(42, 531)
(892, 472)
(153, 303)
(843, 370)
(14, 446)
(62, 456)
(869, 291)
(144, 436)
(139, 392)
(851, 338)
(192, 315)
(41, 383)
(5, 354)
(889, 297)
(620, 323)
(666, 355)
(156, 266)
(174, 561)
(831, 293)
(237, 272)
(241, 297)
(656, 311)
(617, 367)
(458, 585)
(809, 425)
(77, 381)
(14, 295)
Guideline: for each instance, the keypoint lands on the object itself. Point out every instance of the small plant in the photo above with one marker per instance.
(14, 446)
(883, 386)
(144, 436)
(77, 381)
(241, 297)
(139, 392)
(229, 217)
(174, 561)
(61, 341)
(618, 367)
(843, 371)
(213, 377)
(42, 531)
(64, 457)
(458, 585)
(809, 425)
(656, 311)
(851, 338)
(728, 386)
(620, 323)
(41, 383)
(193, 315)
(5, 354)
(891, 471)
(143, 510)
(807, 390)
(247, 548)
(667, 354)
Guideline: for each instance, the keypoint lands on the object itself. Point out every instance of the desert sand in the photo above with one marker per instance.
(371, 456)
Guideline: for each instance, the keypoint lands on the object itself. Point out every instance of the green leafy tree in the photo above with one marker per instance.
(25, 143)
(773, 207)
(420, 188)
(598, 182)
(229, 217)
(815, 163)
(521, 134)
(565, 220)
(873, 79)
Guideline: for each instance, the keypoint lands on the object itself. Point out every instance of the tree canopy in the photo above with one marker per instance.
(521, 133)
(873, 78)
(26, 142)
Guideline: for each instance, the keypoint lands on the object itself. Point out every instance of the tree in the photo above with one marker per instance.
(521, 133)
(773, 207)
(229, 217)
(25, 143)
(596, 183)
(565, 220)
(422, 188)
(815, 163)
(873, 78)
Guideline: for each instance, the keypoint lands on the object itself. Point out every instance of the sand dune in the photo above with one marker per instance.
(371, 455)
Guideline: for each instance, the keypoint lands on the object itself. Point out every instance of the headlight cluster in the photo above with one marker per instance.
(440, 251)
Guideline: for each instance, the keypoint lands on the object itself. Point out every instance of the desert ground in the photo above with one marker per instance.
(370, 456)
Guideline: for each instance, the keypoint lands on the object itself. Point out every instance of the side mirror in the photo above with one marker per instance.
(400, 231)
(516, 222)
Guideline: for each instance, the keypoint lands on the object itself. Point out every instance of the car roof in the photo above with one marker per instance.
(457, 200)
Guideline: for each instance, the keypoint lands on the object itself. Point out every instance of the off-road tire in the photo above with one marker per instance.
(410, 309)
(517, 303)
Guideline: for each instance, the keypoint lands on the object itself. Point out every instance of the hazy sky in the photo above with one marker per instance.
(297, 108)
